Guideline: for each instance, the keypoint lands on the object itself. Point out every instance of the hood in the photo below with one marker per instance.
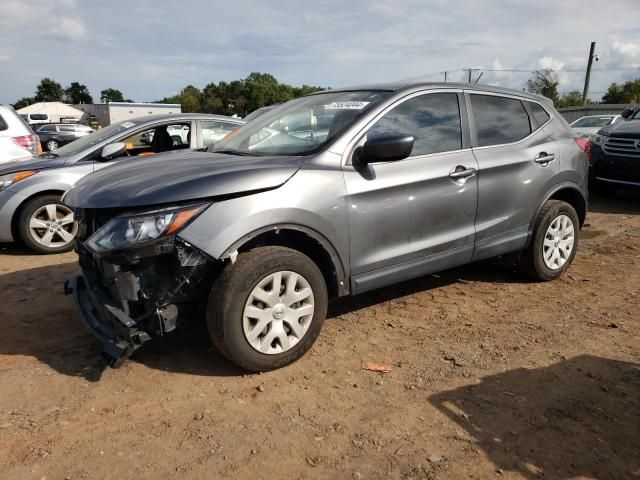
(628, 129)
(37, 163)
(162, 179)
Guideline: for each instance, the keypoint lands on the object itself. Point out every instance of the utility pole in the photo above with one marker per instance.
(470, 70)
(587, 77)
(445, 76)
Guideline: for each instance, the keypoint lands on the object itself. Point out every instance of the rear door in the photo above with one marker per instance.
(414, 216)
(517, 161)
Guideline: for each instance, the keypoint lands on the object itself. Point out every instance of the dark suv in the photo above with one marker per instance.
(615, 156)
(54, 135)
(332, 194)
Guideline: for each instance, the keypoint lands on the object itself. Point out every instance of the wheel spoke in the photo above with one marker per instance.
(46, 238)
(295, 297)
(292, 282)
(548, 242)
(257, 329)
(263, 296)
(66, 236)
(37, 223)
(67, 219)
(52, 212)
(303, 311)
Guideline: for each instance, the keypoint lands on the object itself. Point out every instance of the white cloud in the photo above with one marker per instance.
(54, 18)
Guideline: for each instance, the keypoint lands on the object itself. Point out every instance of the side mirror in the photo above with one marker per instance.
(113, 150)
(385, 148)
(626, 113)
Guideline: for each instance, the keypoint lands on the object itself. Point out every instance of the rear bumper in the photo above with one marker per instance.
(117, 332)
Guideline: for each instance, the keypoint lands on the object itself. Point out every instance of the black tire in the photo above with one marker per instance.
(52, 145)
(601, 189)
(24, 218)
(231, 291)
(532, 258)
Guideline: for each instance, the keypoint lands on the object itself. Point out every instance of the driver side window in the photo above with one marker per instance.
(159, 139)
(432, 119)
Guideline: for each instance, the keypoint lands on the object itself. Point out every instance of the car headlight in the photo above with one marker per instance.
(597, 138)
(11, 178)
(139, 228)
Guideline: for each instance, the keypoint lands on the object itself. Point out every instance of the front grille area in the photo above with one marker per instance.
(622, 146)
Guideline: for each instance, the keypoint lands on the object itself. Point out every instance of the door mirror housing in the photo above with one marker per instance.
(113, 150)
(626, 113)
(385, 148)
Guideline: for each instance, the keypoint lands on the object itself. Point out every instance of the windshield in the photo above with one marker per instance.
(592, 122)
(302, 126)
(94, 138)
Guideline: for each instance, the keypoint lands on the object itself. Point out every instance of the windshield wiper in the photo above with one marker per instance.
(237, 152)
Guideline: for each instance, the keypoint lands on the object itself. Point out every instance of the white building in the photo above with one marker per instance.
(112, 112)
(55, 112)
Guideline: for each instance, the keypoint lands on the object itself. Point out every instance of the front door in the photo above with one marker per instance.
(411, 217)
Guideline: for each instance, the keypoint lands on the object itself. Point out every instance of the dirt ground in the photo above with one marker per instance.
(493, 377)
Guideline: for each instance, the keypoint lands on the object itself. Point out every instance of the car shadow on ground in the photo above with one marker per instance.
(626, 202)
(40, 321)
(577, 418)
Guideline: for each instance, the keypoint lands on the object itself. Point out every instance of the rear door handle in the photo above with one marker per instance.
(544, 158)
(461, 172)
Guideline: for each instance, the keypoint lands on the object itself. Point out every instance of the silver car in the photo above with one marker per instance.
(17, 140)
(585, 126)
(365, 187)
(30, 191)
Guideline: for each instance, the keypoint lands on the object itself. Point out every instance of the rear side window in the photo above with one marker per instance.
(433, 120)
(66, 128)
(47, 128)
(539, 114)
(3, 124)
(499, 120)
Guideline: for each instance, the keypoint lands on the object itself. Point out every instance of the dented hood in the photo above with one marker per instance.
(172, 178)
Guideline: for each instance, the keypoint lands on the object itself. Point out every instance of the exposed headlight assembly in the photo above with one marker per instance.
(11, 178)
(597, 138)
(136, 229)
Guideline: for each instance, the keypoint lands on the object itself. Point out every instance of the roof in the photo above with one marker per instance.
(401, 86)
(52, 108)
(182, 116)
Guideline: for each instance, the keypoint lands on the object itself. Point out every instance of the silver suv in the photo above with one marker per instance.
(331, 194)
(17, 140)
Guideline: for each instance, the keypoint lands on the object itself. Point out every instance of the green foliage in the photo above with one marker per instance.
(545, 82)
(49, 91)
(76, 94)
(571, 99)
(111, 95)
(628, 92)
(239, 96)
(24, 102)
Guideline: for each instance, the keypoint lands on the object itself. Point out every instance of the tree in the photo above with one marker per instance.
(49, 91)
(111, 95)
(571, 99)
(545, 82)
(24, 102)
(628, 92)
(76, 94)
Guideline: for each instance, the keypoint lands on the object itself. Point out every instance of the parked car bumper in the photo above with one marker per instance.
(9, 203)
(614, 169)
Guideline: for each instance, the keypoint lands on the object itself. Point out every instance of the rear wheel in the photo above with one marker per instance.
(267, 309)
(46, 225)
(52, 145)
(554, 243)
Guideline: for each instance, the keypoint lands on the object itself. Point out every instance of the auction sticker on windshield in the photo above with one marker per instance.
(128, 124)
(354, 105)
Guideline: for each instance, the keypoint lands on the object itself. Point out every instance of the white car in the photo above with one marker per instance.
(585, 126)
(17, 140)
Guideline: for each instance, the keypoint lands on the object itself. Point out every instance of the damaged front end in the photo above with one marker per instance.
(140, 280)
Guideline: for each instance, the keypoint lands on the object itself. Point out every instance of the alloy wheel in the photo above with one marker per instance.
(53, 225)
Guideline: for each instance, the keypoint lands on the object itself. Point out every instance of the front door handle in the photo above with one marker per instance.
(461, 172)
(545, 158)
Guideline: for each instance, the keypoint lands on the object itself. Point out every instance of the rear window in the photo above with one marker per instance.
(539, 114)
(46, 128)
(38, 116)
(499, 120)
(3, 124)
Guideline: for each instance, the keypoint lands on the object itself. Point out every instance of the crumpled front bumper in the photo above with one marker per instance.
(117, 332)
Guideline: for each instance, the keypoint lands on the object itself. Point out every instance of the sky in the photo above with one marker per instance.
(151, 49)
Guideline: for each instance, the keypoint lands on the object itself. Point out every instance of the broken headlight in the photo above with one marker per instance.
(142, 227)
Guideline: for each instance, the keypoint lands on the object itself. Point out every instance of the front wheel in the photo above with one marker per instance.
(267, 309)
(46, 225)
(554, 243)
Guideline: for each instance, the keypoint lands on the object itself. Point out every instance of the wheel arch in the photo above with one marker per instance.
(305, 240)
(567, 192)
(18, 210)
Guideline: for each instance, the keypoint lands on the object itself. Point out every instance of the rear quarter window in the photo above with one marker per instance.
(499, 120)
(3, 124)
(540, 115)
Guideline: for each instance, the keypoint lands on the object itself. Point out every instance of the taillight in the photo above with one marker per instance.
(585, 146)
(28, 142)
